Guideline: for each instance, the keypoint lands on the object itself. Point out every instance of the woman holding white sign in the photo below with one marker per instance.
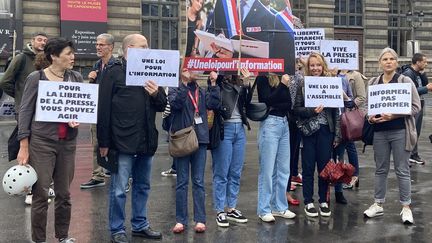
(51, 148)
(320, 132)
(394, 134)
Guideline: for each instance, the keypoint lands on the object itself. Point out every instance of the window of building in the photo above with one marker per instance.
(348, 13)
(397, 25)
(299, 9)
(160, 23)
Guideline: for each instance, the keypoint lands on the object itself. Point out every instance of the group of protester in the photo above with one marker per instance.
(126, 125)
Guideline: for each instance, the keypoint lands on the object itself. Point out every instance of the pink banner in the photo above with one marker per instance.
(83, 10)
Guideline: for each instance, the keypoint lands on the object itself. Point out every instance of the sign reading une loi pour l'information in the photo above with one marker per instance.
(67, 101)
(392, 98)
(160, 66)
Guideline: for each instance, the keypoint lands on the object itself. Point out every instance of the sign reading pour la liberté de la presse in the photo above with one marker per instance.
(394, 98)
(326, 91)
(160, 66)
(67, 101)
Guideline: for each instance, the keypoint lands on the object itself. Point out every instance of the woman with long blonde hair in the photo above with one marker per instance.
(317, 146)
(274, 148)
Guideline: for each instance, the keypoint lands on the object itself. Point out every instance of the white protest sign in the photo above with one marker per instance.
(326, 91)
(393, 98)
(7, 108)
(307, 41)
(67, 101)
(160, 66)
(340, 54)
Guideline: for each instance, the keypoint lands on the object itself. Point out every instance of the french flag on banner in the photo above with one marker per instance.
(231, 17)
(286, 18)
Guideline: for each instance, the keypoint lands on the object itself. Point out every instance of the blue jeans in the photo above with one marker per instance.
(352, 158)
(317, 150)
(274, 164)
(139, 166)
(228, 160)
(197, 162)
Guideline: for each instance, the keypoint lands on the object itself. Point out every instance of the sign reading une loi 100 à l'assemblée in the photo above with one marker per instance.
(82, 21)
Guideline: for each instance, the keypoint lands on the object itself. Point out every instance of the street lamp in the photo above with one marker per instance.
(415, 19)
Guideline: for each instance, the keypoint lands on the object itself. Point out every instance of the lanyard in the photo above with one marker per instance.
(194, 101)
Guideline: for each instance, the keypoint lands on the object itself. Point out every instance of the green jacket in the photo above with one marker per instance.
(13, 80)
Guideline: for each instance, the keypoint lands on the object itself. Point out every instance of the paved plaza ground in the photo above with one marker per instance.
(346, 224)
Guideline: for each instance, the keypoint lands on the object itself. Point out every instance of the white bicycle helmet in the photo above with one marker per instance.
(19, 179)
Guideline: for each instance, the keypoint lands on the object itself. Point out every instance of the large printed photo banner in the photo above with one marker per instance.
(5, 37)
(340, 54)
(67, 101)
(82, 21)
(393, 98)
(326, 91)
(160, 66)
(307, 41)
(237, 29)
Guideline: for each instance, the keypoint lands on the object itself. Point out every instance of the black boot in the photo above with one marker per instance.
(340, 198)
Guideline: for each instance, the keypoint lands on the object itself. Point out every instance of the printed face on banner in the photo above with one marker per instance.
(340, 54)
(393, 98)
(326, 91)
(67, 101)
(220, 29)
(160, 66)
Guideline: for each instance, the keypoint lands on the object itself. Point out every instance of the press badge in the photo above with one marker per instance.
(198, 119)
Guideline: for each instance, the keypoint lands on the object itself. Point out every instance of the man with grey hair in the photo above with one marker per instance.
(104, 50)
(126, 125)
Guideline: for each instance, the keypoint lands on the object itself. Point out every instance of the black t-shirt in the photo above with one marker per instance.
(396, 124)
(192, 26)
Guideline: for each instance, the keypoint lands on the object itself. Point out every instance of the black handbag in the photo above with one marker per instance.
(110, 162)
(256, 111)
(367, 133)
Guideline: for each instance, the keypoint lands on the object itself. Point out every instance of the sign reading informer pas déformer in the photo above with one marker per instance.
(326, 91)
(160, 66)
(67, 101)
(389, 98)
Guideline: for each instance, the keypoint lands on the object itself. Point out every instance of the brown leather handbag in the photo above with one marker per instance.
(183, 142)
(352, 122)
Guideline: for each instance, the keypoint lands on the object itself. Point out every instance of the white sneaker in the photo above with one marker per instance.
(28, 199)
(324, 209)
(374, 210)
(407, 216)
(268, 217)
(284, 214)
(310, 210)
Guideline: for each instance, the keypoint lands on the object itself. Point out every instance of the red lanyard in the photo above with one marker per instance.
(194, 101)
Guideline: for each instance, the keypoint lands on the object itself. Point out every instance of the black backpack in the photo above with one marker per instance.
(402, 68)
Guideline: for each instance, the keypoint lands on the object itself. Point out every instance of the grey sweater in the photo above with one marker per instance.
(26, 122)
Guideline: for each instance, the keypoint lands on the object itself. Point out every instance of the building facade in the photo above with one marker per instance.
(374, 23)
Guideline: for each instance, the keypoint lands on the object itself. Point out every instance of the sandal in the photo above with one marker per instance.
(200, 228)
(178, 228)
